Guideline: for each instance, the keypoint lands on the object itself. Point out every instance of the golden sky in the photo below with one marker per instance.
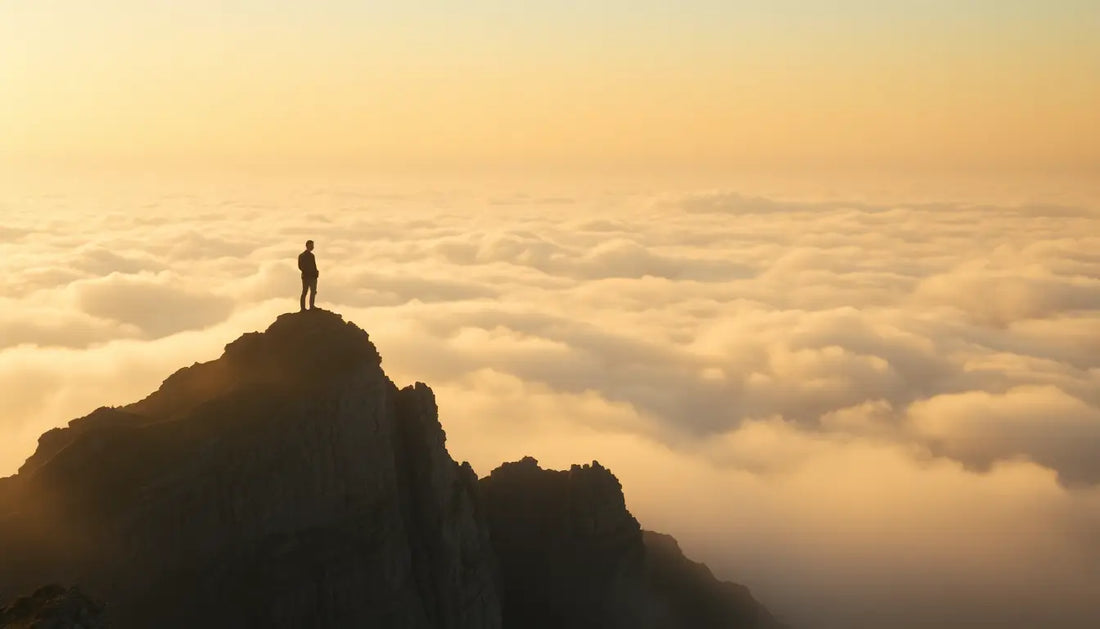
(650, 84)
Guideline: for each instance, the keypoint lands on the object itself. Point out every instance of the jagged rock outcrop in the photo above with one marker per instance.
(688, 595)
(290, 483)
(53, 607)
(287, 484)
(573, 557)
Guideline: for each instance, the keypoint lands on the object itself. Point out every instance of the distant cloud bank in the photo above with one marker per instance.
(838, 376)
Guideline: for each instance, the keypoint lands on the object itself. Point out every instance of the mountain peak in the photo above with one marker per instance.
(298, 349)
(290, 483)
(310, 343)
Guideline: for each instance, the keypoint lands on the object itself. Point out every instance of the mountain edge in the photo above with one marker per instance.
(290, 483)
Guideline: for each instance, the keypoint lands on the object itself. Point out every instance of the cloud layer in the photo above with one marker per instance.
(872, 414)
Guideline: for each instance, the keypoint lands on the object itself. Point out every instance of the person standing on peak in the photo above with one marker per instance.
(307, 264)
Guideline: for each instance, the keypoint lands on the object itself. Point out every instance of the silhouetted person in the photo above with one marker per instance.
(307, 264)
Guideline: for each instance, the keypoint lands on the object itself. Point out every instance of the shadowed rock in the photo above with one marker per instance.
(572, 556)
(287, 484)
(290, 483)
(53, 607)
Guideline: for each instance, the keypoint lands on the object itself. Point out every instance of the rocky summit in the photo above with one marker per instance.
(290, 483)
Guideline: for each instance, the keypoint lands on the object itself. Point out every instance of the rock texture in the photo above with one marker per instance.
(290, 483)
(573, 557)
(287, 484)
(53, 607)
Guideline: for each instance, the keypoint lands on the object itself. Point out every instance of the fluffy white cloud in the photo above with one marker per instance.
(849, 406)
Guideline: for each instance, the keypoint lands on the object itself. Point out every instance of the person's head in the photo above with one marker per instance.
(309, 245)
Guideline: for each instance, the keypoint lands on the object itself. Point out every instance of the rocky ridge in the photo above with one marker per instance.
(572, 555)
(290, 483)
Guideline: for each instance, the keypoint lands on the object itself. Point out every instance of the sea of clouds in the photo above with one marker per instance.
(874, 415)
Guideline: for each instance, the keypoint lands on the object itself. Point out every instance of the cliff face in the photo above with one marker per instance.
(572, 556)
(290, 484)
(287, 484)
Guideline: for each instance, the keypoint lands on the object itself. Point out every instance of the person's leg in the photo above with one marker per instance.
(312, 292)
(302, 299)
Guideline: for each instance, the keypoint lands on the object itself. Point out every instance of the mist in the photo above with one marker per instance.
(871, 413)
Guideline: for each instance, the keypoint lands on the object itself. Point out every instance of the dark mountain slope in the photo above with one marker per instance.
(572, 556)
(290, 484)
(287, 484)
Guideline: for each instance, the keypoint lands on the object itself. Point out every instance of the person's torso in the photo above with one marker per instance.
(307, 264)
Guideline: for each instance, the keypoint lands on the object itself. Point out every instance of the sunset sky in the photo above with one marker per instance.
(818, 281)
(642, 84)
